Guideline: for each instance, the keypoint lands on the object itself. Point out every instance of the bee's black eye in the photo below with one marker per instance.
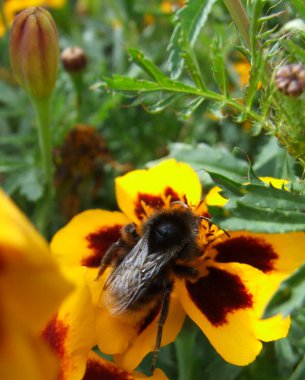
(166, 231)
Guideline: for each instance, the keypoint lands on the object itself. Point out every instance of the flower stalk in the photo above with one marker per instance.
(42, 112)
(34, 59)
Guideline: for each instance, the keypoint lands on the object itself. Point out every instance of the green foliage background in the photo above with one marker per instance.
(164, 84)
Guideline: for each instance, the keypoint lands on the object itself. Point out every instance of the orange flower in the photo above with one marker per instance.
(31, 289)
(235, 275)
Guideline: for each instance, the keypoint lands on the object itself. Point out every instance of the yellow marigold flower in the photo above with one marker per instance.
(224, 289)
(242, 68)
(12, 7)
(32, 288)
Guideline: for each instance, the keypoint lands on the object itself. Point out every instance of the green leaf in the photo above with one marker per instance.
(193, 17)
(299, 6)
(237, 216)
(163, 103)
(31, 185)
(149, 67)
(290, 296)
(219, 68)
(299, 373)
(121, 83)
(189, 108)
(287, 357)
(175, 60)
(258, 207)
(189, 21)
(203, 157)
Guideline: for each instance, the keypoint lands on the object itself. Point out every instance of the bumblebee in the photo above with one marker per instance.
(146, 262)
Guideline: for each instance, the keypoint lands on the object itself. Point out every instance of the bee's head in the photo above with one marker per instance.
(170, 229)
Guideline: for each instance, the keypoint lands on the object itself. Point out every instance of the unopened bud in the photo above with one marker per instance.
(34, 51)
(290, 79)
(74, 59)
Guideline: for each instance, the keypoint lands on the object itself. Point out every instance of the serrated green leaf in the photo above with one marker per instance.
(121, 83)
(290, 296)
(189, 21)
(270, 197)
(189, 108)
(219, 68)
(163, 103)
(175, 59)
(229, 187)
(193, 17)
(204, 157)
(149, 67)
(237, 216)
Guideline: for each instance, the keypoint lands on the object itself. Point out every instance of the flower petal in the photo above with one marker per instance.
(277, 254)
(167, 179)
(226, 305)
(24, 356)
(32, 286)
(213, 197)
(133, 335)
(71, 333)
(86, 238)
(99, 368)
(145, 340)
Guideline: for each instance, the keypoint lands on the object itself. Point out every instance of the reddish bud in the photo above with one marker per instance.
(74, 59)
(34, 51)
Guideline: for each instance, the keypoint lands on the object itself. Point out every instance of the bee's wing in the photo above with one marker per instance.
(135, 273)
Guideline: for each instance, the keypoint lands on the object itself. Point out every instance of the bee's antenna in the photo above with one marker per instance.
(180, 203)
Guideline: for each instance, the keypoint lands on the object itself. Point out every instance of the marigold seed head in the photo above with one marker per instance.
(290, 79)
(74, 59)
(34, 51)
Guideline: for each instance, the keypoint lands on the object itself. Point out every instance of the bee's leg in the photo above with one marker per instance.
(185, 271)
(163, 315)
(110, 256)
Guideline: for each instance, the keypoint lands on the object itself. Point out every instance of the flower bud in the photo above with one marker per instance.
(34, 51)
(73, 59)
(290, 79)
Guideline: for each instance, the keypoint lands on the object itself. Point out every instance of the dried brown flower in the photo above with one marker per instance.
(290, 79)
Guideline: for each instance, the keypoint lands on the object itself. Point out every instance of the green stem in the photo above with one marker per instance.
(42, 111)
(185, 345)
(240, 18)
(77, 80)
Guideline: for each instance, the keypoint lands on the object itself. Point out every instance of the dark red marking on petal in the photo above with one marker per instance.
(247, 250)
(99, 371)
(218, 294)
(99, 242)
(149, 318)
(2, 260)
(55, 334)
(154, 201)
(170, 192)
